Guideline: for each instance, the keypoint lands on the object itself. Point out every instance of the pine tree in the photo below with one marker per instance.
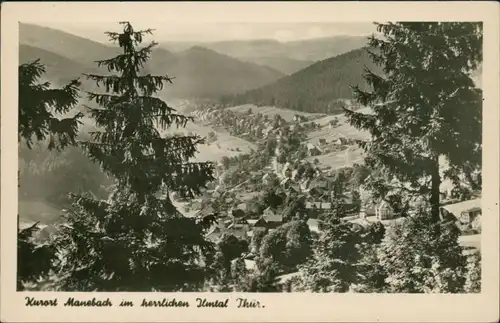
(421, 256)
(41, 111)
(332, 267)
(136, 240)
(425, 106)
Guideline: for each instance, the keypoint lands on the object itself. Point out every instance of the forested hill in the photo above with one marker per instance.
(198, 72)
(283, 64)
(317, 88)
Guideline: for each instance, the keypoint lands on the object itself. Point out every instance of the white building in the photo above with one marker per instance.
(466, 212)
(384, 211)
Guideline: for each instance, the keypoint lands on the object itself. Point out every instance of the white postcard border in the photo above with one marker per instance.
(278, 307)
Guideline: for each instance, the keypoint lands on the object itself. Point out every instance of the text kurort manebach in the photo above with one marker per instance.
(199, 302)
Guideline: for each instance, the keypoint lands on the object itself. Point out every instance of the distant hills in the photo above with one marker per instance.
(317, 88)
(306, 50)
(286, 57)
(59, 69)
(72, 47)
(198, 72)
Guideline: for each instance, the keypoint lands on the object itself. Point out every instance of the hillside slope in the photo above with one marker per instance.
(199, 72)
(59, 70)
(283, 64)
(76, 48)
(208, 74)
(317, 88)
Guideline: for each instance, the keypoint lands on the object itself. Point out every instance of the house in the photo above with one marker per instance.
(215, 233)
(251, 225)
(238, 230)
(299, 118)
(251, 222)
(367, 210)
(287, 170)
(317, 192)
(268, 212)
(313, 205)
(465, 212)
(273, 220)
(384, 211)
(290, 185)
(313, 150)
(249, 264)
(322, 141)
(326, 205)
(319, 181)
(259, 225)
(315, 208)
(341, 141)
(313, 225)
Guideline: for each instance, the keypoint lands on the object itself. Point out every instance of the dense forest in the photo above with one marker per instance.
(317, 88)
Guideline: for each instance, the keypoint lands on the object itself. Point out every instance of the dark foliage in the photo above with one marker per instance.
(321, 87)
(425, 104)
(136, 240)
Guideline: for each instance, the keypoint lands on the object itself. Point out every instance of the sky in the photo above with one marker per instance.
(209, 31)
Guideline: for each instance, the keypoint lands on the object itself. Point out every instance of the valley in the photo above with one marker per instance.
(279, 189)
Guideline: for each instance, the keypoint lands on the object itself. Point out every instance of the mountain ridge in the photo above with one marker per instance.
(318, 88)
(314, 49)
(206, 74)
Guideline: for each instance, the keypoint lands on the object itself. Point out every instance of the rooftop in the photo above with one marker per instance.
(458, 208)
(273, 217)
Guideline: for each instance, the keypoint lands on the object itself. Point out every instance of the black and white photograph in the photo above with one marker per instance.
(239, 157)
(310, 161)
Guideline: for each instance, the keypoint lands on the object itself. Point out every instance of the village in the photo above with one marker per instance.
(354, 171)
(290, 169)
